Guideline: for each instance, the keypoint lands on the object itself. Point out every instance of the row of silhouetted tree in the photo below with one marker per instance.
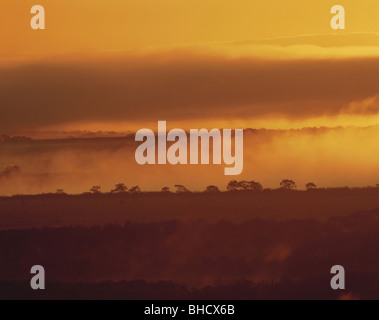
(233, 185)
(244, 185)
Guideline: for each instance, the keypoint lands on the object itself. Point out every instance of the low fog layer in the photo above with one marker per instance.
(327, 157)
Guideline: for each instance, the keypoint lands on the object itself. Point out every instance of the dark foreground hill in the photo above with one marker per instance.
(259, 258)
(52, 210)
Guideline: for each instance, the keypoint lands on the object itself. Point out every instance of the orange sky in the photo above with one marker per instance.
(118, 25)
(121, 65)
(174, 35)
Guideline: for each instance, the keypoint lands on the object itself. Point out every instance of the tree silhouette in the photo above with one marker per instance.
(254, 186)
(181, 189)
(310, 185)
(288, 184)
(135, 189)
(60, 191)
(244, 185)
(165, 189)
(233, 185)
(212, 189)
(120, 188)
(95, 189)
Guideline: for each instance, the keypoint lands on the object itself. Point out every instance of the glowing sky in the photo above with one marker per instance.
(118, 25)
(121, 65)
(105, 65)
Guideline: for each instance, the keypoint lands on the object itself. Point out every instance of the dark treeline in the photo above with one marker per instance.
(232, 186)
